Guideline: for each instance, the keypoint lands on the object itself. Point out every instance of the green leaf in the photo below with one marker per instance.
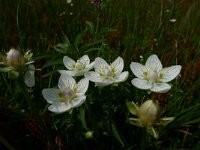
(81, 117)
(106, 29)
(62, 47)
(93, 49)
(50, 73)
(90, 27)
(53, 62)
(132, 107)
(13, 74)
(78, 39)
(152, 132)
(135, 122)
(6, 69)
(117, 135)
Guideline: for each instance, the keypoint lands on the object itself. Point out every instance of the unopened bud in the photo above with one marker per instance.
(14, 58)
(89, 134)
(148, 112)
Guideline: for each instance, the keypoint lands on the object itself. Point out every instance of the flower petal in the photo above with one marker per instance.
(68, 62)
(66, 81)
(138, 69)
(85, 60)
(160, 87)
(29, 77)
(82, 85)
(60, 107)
(99, 64)
(78, 101)
(90, 66)
(122, 77)
(154, 63)
(51, 95)
(169, 73)
(93, 76)
(117, 65)
(141, 84)
(68, 72)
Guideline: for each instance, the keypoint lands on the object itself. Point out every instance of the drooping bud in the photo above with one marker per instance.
(14, 58)
(148, 112)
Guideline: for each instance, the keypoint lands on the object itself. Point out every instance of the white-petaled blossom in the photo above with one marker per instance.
(77, 68)
(29, 77)
(106, 74)
(68, 95)
(153, 76)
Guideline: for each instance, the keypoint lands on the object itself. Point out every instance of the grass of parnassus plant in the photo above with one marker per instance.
(133, 30)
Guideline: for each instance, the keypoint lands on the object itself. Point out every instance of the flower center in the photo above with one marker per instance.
(153, 76)
(79, 66)
(66, 94)
(107, 73)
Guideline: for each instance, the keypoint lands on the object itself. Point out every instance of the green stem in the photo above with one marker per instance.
(5, 143)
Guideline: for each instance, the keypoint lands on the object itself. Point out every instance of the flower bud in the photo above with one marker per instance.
(89, 134)
(14, 58)
(148, 112)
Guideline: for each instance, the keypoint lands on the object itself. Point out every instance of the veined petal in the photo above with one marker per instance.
(93, 76)
(169, 73)
(68, 62)
(160, 87)
(68, 72)
(29, 79)
(60, 107)
(78, 101)
(138, 70)
(51, 95)
(90, 66)
(66, 81)
(141, 84)
(82, 85)
(99, 64)
(117, 65)
(85, 60)
(154, 63)
(121, 77)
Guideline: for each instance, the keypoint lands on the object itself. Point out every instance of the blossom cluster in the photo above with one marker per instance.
(69, 94)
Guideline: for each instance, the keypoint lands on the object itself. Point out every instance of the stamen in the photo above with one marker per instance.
(153, 76)
(66, 94)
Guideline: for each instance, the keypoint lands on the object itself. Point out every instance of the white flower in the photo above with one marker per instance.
(153, 76)
(106, 74)
(29, 77)
(77, 68)
(68, 95)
